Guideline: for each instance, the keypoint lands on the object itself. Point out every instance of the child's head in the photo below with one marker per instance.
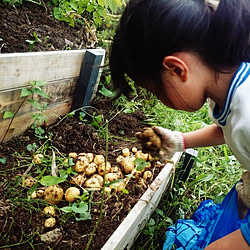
(150, 30)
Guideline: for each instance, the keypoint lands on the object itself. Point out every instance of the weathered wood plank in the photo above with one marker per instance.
(58, 91)
(18, 69)
(125, 235)
(21, 123)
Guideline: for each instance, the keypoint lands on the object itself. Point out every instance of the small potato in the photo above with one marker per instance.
(50, 210)
(78, 180)
(92, 183)
(99, 177)
(90, 169)
(40, 193)
(118, 187)
(99, 159)
(119, 159)
(128, 165)
(102, 166)
(90, 156)
(53, 194)
(147, 175)
(29, 182)
(33, 195)
(141, 155)
(73, 155)
(125, 152)
(71, 194)
(37, 158)
(111, 177)
(50, 222)
(134, 149)
(81, 165)
(117, 170)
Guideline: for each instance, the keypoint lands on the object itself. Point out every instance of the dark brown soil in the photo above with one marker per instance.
(21, 224)
(19, 24)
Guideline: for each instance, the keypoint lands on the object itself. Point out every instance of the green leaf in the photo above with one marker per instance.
(35, 104)
(25, 92)
(8, 114)
(140, 164)
(106, 92)
(40, 93)
(51, 180)
(125, 191)
(84, 216)
(202, 178)
(66, 209)
(3, 160)
(82, 208)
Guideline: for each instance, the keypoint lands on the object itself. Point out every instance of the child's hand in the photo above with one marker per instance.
(160, 141)
(171, 141)
(243, 189)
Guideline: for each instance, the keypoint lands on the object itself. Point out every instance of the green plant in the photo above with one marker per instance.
(38, 118)
(35, 40)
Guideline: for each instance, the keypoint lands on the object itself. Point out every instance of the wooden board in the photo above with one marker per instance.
(125, 235)
(61, 71)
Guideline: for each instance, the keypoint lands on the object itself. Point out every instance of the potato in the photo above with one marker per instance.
(37, 158)
(128, 165)
(147, 175)
(50, 222)
(99, 159)
(117, 170)
(125, 152)
(90, 169)
(149, 140)
(29, 182)
(92, 183)
(118, 186)
(99, 177)
(78, 180)
(71, 194)
(39, 193)
(134, 149)
(73, 155)
(119, 159)
(50, 210)
(81, 164)
(112, 177)
(141, 155)
(53, 194)
(90, 156)
(102, 166)
(107, 190)
(33, 195)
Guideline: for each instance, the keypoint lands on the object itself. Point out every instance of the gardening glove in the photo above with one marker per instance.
(243, 189)
(171, 141)
(161, 142)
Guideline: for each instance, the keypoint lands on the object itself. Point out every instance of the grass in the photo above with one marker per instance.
(213, 174)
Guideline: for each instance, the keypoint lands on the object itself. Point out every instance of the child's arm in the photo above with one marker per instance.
(174, 141)
(234, 240)
(207, 136)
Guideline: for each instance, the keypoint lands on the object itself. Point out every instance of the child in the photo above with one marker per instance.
(187, 52)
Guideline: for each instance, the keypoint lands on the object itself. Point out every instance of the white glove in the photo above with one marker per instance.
(171, 141)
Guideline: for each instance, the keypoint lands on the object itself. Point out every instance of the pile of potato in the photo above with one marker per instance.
(92, 169)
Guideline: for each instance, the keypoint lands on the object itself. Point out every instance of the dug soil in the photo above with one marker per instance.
(22, 221)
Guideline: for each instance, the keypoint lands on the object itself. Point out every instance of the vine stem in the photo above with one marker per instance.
(12, 118)
(103, 192)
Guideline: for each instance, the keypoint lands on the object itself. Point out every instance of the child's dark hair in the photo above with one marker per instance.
(149, 30)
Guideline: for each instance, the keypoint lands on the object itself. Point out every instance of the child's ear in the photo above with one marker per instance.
(176, 66)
